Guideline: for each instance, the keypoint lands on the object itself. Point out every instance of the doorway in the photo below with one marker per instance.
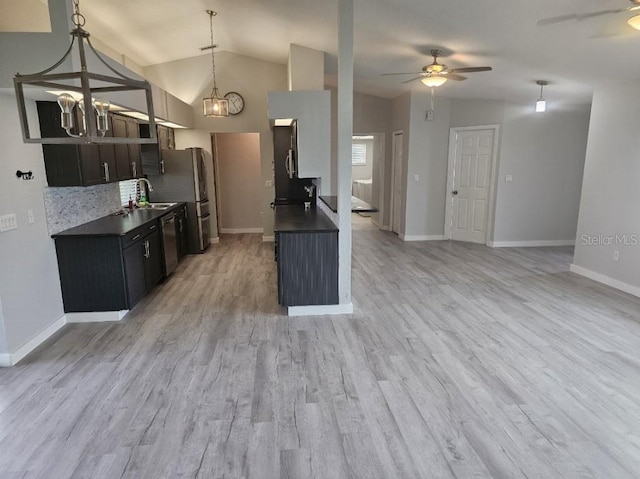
(470, 179)
(396, 181)
(367, 173)
(237, 179)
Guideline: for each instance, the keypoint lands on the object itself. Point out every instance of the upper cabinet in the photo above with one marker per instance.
(152, 154)
(86, 165)
(312, 109)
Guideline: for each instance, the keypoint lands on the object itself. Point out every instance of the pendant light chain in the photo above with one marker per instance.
(77, 18)
(213, 56)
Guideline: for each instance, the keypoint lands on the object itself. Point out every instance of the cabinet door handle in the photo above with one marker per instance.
(146, 249)
(134, 170)
(135, 237)
(105, 165)
(162, 166)
(152, 227)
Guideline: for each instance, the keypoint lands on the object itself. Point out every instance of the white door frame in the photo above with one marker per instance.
(393, 174)
(448, 211)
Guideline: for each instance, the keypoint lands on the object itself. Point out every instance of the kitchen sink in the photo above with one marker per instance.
(160, 206)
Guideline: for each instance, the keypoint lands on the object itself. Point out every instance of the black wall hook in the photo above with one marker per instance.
(25, 175)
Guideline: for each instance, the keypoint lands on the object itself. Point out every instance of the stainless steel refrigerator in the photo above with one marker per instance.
(185, 179)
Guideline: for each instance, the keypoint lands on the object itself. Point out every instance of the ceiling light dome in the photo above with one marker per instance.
(634, 22)
(434, 80)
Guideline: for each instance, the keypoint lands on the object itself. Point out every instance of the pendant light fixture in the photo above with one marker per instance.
(82, 90)
(215, 105)
(541, 104)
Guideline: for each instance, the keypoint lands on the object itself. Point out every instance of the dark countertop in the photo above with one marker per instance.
(117, 225)
(357, 205)
(295, 219)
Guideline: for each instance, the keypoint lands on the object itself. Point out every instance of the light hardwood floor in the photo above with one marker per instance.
(460, 362)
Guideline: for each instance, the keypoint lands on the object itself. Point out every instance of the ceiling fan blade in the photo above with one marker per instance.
(414, 79)
(578, 16)
(455, 77)
(470, 69)
(410, 73)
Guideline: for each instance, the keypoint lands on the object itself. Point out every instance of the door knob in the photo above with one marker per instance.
(454, 192)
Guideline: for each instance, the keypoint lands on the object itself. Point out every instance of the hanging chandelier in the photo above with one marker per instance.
(82, 90)
(214, 105)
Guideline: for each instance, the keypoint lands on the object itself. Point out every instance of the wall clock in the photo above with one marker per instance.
(236, 102)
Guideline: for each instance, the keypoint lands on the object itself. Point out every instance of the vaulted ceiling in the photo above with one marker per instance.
(396, 35)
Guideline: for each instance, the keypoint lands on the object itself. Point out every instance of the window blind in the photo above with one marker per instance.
(359, 154)
(128, 189)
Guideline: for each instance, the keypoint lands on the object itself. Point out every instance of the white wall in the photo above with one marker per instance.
(305, 68)
(544, 152)
(190, 80)
(427, 158)
(610, 193)
(30, 295)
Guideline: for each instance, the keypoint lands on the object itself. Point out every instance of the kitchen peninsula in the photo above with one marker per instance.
(306, 249)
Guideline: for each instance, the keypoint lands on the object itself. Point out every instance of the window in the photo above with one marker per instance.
(359, 154)
(128, 189)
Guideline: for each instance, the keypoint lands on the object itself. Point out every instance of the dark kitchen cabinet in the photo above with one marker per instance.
(72, 165)
(109, 273)
(143, 266)
(307, 268)
(152, 153)
(87, 165)
(128, 158)
(182, 232)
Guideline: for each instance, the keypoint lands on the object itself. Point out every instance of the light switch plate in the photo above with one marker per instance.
(8, 223)
(30, 217)
(268, 183)
(508, 178)
(429, 116)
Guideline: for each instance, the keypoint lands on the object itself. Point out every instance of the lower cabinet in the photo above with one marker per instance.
(109, 273)
(143, 266)
(182, 232)
(307, 268)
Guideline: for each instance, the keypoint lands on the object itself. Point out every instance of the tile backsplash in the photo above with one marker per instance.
(72, 206)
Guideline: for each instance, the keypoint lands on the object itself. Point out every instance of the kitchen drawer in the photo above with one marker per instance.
(138, 233)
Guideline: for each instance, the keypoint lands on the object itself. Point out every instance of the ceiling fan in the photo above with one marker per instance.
(633, 21)
(437, 74)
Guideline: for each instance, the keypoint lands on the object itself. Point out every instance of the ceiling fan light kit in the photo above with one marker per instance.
(634, 22)
(541, 103)
(215, 105)
(436, 74)
(434, 80)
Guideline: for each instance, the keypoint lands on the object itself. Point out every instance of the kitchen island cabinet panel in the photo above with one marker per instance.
(307, 268)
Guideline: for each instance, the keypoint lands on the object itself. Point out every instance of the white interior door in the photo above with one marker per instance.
(396, 194)
(471, 185)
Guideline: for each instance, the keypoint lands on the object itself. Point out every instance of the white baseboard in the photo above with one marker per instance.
(12, 359)
(96, 317)
(215, 240)
(268, 239)
(601, 278)
(528, 244)
(320, 310)
(422, 237)
(236, 231)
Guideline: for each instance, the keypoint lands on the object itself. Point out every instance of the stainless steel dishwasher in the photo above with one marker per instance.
(169, 243)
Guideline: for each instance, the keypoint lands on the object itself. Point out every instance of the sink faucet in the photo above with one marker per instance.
(149, 186)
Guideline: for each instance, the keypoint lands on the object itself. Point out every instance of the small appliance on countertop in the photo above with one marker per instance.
(184, 179)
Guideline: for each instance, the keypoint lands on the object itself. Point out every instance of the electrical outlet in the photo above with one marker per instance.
(429, 115)
(8, 223)
(416, 177)
(268, 184)
(508, 178)
(616, 255)
(30, 217)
